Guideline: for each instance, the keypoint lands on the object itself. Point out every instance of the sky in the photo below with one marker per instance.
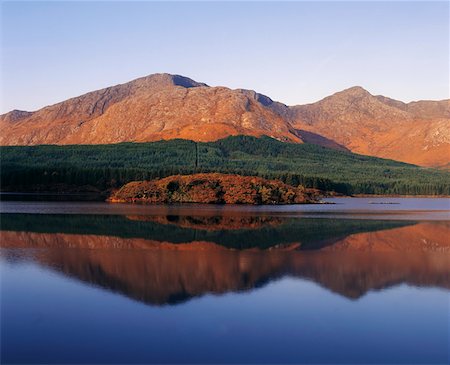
(295, 52)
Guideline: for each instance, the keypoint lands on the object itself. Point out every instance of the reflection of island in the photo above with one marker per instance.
(238, 232)
(212, 222)
(160, 272)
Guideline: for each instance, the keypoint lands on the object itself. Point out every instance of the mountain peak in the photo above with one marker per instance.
(15, 115)
(355, 91)
(168, 106)
(172, 80)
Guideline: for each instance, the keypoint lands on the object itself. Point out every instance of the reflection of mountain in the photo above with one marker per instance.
(164, 273)
(239, 232)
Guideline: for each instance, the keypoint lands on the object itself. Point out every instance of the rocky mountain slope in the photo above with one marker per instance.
(164, 106)
(156, 107)
(417, 132)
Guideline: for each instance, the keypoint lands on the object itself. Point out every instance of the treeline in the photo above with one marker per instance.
(105, 178)
(110, 166)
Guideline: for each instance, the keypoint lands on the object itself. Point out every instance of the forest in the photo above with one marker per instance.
(103, 167)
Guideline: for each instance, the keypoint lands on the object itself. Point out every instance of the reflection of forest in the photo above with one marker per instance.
(161, 272)
(239, 232)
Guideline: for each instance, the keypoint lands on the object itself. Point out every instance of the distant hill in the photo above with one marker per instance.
(417, 132)
(164, 106)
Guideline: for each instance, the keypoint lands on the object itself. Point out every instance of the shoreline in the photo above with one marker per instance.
(392, 196)
(86, 193)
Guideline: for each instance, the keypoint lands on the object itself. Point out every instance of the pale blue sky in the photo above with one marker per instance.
(294, 52)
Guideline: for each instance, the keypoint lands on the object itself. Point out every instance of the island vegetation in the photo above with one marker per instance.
(214, 188)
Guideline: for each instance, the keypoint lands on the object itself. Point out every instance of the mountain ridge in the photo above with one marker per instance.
(416, 132)
(165, 106)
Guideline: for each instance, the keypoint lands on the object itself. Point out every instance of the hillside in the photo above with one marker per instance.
(26, 168)
(417, 132)
(151, 108)
(163, 106)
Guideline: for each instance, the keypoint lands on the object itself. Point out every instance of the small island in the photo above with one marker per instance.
(214, 188)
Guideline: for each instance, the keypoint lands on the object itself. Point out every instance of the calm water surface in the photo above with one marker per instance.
(359, 281)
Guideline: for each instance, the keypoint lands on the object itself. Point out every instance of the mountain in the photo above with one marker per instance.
(417, 132)
(159, 106)
(163, 106)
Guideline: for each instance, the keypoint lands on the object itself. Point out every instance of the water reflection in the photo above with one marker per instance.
(230, 231)
(169, 259)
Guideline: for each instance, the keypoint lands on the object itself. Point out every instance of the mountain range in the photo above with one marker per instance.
(164, 106)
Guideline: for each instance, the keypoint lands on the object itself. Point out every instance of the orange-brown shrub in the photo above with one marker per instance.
(213, 188)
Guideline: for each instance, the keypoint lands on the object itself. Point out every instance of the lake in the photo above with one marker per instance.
(362, 280)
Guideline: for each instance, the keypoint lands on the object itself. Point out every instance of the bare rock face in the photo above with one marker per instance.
(417, 132)
(156, 107)
(426, 109)
(15, 115)
(163, 106)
